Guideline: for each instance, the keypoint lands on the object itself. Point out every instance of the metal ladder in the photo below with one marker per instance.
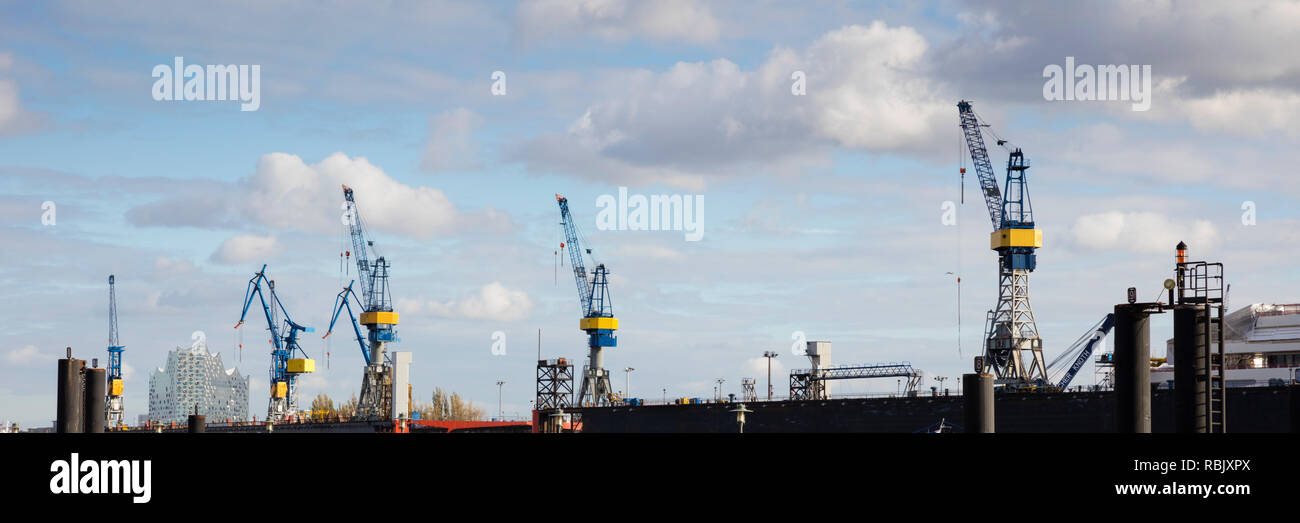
(1205, 287)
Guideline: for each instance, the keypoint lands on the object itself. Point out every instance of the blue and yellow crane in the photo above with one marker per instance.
(113, 409)
(1013, 351)
(375, 401)
(598, 319)
(285, 368)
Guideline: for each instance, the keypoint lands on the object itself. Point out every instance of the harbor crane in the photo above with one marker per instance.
(375, 402)
(113, 410)
(598, 319)
(1013, 351)
(285, 368)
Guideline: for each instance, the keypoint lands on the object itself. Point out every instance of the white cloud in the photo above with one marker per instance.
(1141, 232)
(872, 93)
(287, 193)
(669, 20)
(28, 355)
(14, 119)
(165, 267)
(245, 248)
(450, 146)
(492, 302)
(1254, 112)
(866, 89)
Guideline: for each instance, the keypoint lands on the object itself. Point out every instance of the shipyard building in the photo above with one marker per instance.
(1261, 345)
(195, 377)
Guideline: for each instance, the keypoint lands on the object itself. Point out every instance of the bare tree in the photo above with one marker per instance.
(322, 407)
(448, 407)
(349, 408)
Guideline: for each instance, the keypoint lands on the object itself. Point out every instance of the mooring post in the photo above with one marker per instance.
(93, 405)
(1132, 368)
(68, 415)
(977, 390)
(197, 423)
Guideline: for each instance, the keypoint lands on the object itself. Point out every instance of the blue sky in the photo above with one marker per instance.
(822, 212)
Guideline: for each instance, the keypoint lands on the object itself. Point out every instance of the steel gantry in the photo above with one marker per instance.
(809, 384)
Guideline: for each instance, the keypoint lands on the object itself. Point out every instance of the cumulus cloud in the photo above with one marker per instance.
(866, 88)
(450, 144)
(1257, 112)
(492, 302)
(1253, 44)
(28, 355)
(164, 267)
(245, 248)
(1141, 232)
(287, 193)
(668, 20)
(14, 119)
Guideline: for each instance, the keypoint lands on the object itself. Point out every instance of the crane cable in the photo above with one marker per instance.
(1000, 141)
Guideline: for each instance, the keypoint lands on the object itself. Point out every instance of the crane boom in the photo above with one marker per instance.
(575, 255)
(340, 303)
(360, 246)
(979, 156)
(1084, 346)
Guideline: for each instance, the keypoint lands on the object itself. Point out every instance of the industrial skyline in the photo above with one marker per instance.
(825, 213)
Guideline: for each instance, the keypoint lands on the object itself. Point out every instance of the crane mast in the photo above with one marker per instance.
(377, 315)
(598, 319)
(285, 368)
(113, 409)
(1013, 351)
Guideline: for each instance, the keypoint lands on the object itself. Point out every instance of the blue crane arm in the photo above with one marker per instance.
(359, 243)
(979, 155)
(340, 303)
(1099, 333)
(575, 255)
(255, 287)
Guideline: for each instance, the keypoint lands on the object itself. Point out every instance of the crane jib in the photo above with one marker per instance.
(575, 256)
(980, 159)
